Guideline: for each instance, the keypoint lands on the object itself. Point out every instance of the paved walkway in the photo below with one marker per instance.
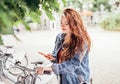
(104, 55)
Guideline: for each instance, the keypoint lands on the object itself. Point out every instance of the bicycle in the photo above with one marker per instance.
(3, 71)
(26, 78)
(9, 62)
(29, 76)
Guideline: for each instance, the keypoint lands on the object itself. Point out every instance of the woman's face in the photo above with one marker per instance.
(65, 25)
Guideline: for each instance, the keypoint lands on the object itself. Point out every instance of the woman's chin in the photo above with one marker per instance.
(64, 31)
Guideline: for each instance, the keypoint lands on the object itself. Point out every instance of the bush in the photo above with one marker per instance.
(111, 22)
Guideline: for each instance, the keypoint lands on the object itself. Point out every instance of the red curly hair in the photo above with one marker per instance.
(79, 37)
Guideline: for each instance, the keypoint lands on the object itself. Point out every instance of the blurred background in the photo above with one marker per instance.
(32, 25)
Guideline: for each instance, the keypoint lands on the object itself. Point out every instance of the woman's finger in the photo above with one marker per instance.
(42, 54)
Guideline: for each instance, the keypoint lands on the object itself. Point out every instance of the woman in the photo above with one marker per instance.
(70, 54)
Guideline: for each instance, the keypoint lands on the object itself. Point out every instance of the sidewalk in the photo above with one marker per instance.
(105, 57)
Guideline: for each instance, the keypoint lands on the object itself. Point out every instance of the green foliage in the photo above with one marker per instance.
(74, 3)
(13, 12)
(112, 22)
(49, 7)
(97, 5)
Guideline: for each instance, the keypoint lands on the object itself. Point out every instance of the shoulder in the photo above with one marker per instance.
(60, 36)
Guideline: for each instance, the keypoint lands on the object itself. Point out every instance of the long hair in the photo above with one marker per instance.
(79, 37)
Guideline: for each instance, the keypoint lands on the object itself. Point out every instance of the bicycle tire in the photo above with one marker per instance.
(16, 71)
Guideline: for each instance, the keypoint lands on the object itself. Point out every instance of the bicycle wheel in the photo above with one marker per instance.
(15, 70)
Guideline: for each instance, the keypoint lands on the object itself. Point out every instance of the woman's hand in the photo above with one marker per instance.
(40, 70)
(48, 56)
(43, 70)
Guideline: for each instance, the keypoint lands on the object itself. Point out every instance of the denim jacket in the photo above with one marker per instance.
(74, 71)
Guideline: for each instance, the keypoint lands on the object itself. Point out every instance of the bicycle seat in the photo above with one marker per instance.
(8, 55)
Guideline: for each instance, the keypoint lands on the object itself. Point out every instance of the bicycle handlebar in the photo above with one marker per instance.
(23, 67)
(31, 70)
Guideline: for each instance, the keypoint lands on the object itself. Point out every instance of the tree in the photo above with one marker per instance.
(97, 5)
(74, 3)
(16, 11)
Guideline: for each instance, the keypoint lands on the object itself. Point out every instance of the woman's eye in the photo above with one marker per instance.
(64, 24)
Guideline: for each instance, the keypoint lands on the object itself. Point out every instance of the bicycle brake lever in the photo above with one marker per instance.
(47, 72)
